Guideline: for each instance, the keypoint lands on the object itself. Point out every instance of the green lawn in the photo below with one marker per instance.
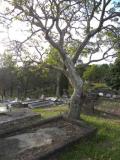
(104, 146)
(52, 111)
(106, 104)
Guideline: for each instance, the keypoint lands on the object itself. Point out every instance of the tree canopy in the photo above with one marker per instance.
(114, 79)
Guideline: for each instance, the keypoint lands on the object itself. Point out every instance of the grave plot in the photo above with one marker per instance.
(110, 108)
(36, 104)
(17, 120)
(42, 103)
(49, 136)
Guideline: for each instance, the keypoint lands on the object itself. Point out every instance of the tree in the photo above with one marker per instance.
(114, 76)
(91, 74)
(53, 59)
(69, 23)
(34, 80)
(96, 73)
(114, 79)
(7, 75)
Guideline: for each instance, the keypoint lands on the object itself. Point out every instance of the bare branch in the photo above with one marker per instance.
(105, 56)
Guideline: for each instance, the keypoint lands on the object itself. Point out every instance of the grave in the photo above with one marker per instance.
(39, 141)
(50, 101)
(55, 100)
(4, 108)
(17, 120)
(36, 104)
(41, 103)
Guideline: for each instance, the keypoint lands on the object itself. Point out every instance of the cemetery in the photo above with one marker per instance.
(59, 80)
(32, 137)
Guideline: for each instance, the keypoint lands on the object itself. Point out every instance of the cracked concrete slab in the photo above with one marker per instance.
(38, 142)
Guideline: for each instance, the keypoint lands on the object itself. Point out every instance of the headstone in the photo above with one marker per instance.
(108, 95)
(114, 96)
(42, 97)
(4, 108)
(41, 103)
(101, 94)
(52, 98)
(27, 99)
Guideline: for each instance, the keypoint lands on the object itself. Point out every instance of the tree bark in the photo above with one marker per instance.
(77, 84)
(75, 104)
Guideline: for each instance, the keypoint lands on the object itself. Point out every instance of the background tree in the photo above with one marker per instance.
(97, 73)
(26, 80)
(114, 78)
(53, 59)
(7, 75)
(91, 74)
(34, 80)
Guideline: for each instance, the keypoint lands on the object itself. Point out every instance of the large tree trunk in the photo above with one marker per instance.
(75, 104)
(77, 83)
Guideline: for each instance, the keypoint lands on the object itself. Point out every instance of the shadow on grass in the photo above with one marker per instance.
(103, 146)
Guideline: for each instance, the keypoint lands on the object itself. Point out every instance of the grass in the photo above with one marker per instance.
(109, 106)
(105, 104)
(104, 146)
(52, 111)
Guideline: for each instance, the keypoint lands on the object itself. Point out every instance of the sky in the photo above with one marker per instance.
(16, 33)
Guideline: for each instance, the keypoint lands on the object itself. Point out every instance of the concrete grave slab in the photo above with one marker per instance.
(40, 141)
(17, 120)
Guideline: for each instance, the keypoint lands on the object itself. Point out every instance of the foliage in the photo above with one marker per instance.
(100, 86)
(27, 80)
(7, 61)
(94, 86)
(97, 73)
(8, 78)
(80, 69)
(114, 79)
(91, 73)
(53, 57)
(63, 84)
(35, 81)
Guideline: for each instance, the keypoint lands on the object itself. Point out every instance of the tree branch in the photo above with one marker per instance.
(105, 56)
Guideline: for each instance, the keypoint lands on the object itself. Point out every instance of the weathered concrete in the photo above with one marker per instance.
(49, 136)
(17, 120)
